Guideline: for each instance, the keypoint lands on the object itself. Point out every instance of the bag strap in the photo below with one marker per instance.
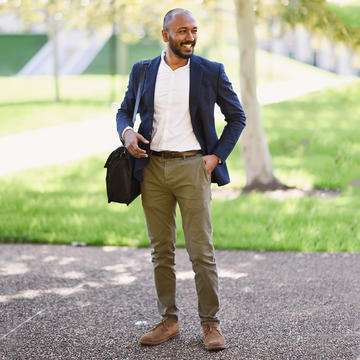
(144, 65)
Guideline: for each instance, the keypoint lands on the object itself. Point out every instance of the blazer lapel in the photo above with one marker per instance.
(149, 85)
(196, 74)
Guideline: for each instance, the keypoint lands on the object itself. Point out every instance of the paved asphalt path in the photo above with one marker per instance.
(66, 302)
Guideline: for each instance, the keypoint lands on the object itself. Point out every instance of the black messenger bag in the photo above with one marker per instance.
(121, 185)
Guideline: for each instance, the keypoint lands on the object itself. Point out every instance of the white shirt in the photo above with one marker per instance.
(172, 129)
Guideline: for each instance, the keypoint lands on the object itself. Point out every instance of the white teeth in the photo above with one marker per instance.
(188, 45)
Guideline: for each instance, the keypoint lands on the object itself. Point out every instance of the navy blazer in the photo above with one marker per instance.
(208, 85)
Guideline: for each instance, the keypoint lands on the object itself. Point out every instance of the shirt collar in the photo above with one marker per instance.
(164, 64)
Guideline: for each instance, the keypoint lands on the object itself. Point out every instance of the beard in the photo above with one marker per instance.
(176, 50)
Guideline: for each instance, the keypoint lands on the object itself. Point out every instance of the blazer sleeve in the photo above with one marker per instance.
(125, 112)
(234, 114)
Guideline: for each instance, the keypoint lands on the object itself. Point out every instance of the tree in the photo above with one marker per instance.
(128, 16)
(128, 23)
(256, 155)
(53, 13)
(316, 15)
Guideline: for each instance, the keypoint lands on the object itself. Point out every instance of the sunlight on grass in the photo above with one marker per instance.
(73, 213)
(317, 134)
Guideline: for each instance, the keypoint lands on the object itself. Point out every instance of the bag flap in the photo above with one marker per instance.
(119, 152)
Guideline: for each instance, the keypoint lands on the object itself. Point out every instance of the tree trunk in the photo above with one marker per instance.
(257, 159)
(113, 62)
(54, 38)
(123, 53)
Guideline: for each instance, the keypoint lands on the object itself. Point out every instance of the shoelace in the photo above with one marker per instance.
(209, 329)
(159, 324)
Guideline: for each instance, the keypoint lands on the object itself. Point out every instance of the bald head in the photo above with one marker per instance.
(169, 16)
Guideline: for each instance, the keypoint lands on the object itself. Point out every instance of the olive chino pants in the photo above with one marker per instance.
(168, 181)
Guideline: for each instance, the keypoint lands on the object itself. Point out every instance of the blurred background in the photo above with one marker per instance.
(295, 174)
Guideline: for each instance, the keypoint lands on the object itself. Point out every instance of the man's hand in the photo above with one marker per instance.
(131, 139)
(210, 162)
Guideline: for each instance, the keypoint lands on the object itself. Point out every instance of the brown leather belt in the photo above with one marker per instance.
(176, 154)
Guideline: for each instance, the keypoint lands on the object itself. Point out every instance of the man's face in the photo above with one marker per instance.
(181, 34)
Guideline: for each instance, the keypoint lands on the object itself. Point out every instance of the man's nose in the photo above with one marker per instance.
(189, 36)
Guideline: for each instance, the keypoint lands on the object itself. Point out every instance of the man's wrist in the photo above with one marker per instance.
(122, 137)
(219, 160)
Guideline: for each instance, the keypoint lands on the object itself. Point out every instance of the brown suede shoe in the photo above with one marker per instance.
(163, 331)
(214, 339)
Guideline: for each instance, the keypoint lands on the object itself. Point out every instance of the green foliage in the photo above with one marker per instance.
(316, 15)
(17, 50)
(348, 13)
(32, 11)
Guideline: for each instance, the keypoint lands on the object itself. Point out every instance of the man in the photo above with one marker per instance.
(178, 155)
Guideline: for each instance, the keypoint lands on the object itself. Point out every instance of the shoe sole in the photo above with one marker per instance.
(217, 348)
(160, 342)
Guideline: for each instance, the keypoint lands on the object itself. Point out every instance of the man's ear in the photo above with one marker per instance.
(165, 35)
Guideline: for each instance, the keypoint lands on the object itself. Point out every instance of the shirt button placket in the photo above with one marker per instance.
(170, 99)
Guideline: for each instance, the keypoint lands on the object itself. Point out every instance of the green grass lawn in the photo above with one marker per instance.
(314, 141)
(17, 50)
(28, 102)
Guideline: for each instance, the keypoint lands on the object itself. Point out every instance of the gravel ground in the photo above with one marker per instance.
(65, 302)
